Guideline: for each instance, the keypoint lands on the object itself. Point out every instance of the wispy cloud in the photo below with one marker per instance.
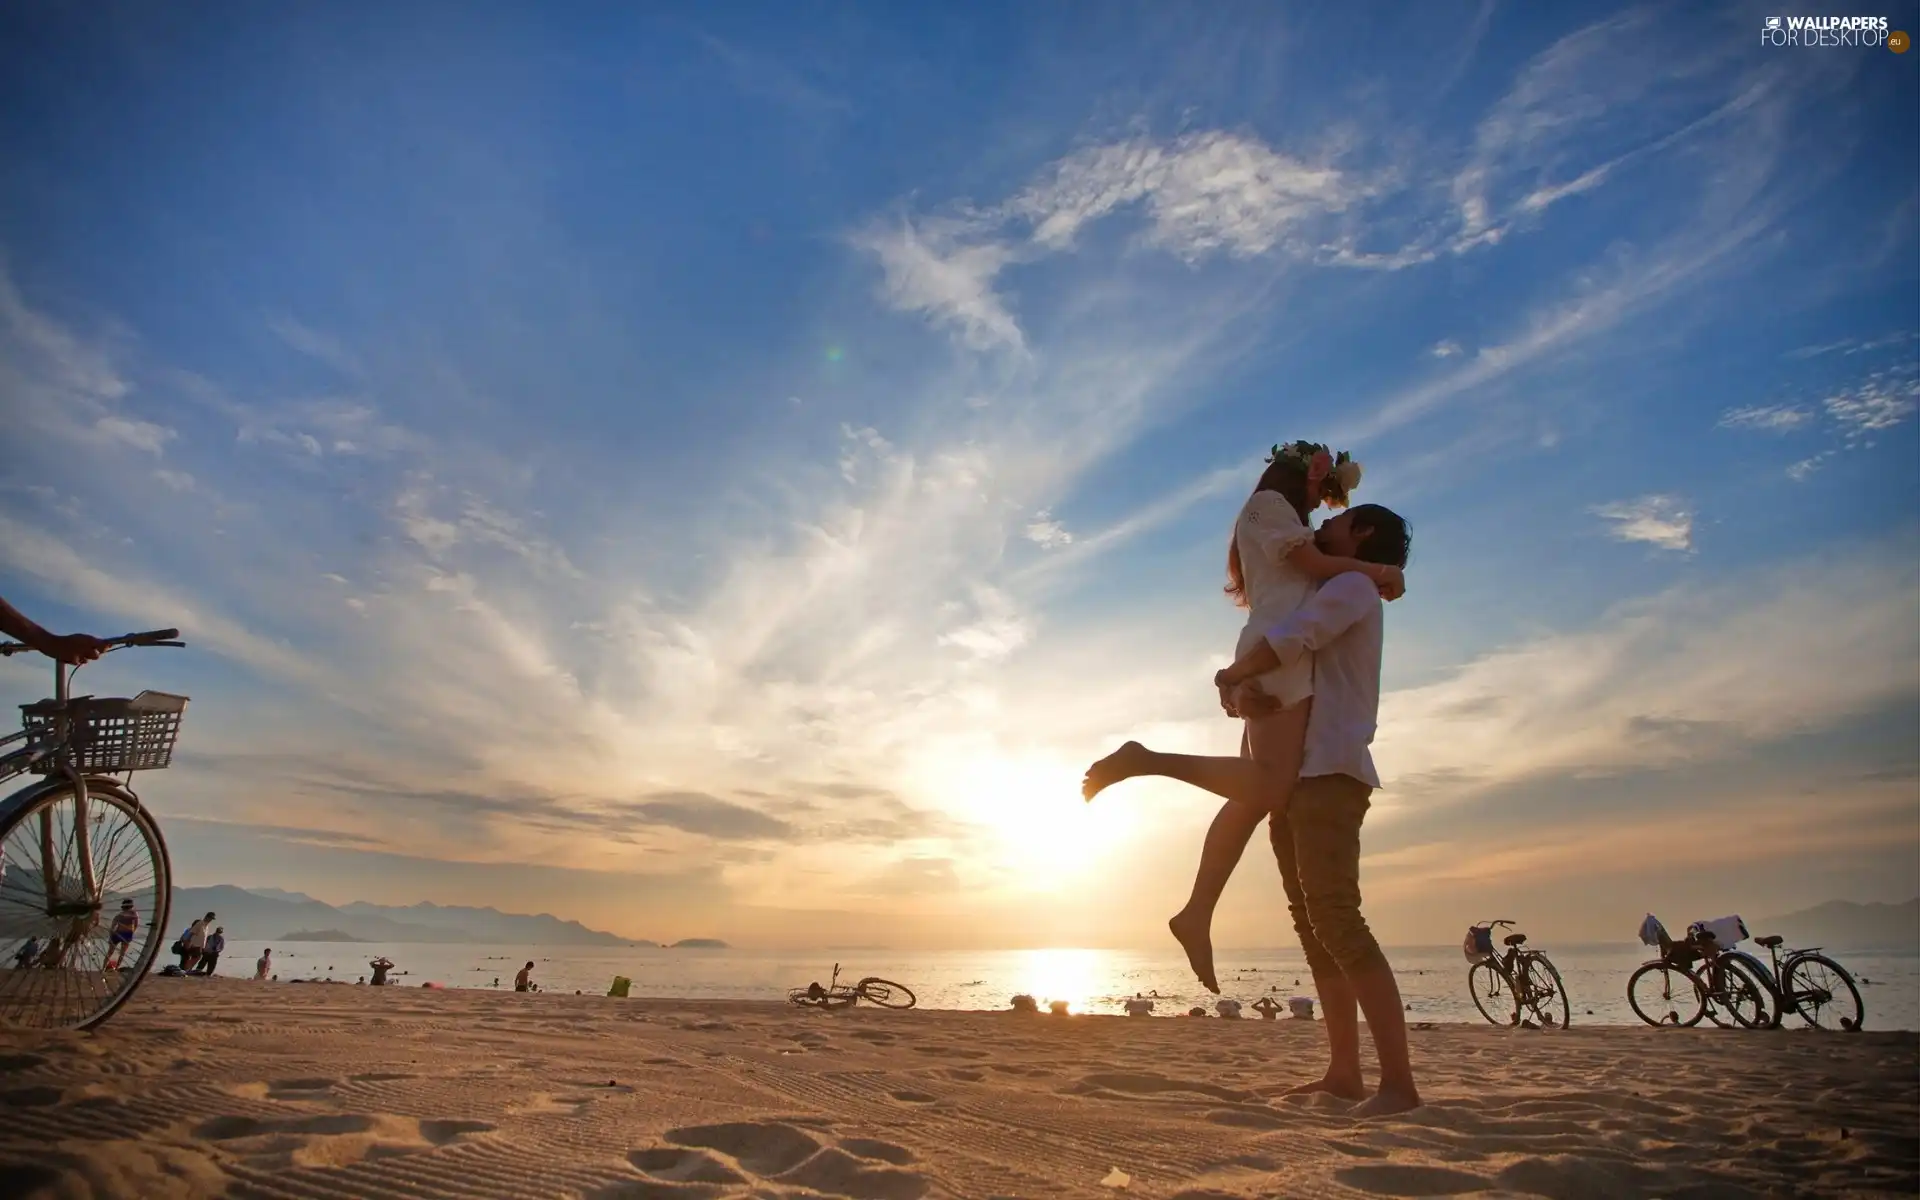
(1663, 521)
(316, 345)
(1768, 418)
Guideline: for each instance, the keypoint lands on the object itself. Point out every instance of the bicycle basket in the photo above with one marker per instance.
(1478, 945)
(106, 736)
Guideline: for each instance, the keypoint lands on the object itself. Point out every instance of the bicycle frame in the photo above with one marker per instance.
(18, 762)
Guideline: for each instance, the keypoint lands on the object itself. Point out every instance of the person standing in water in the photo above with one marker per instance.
(523, 982)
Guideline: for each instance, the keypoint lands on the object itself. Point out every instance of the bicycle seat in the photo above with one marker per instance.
(1770, 941)
(1515, 939)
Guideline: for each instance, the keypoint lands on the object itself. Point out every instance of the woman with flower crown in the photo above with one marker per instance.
(1273, 566)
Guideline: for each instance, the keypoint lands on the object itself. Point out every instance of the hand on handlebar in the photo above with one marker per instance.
(74, 648)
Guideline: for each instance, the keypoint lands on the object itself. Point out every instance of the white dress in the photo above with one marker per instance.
(1266, 532)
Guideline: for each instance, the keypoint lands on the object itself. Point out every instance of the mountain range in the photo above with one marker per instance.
(1849, 926)
(263, 914)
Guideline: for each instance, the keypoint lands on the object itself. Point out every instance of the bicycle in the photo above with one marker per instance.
(872, 989)
(1527, 976)
(1807, 981)
(77, 841)
(1669, 991)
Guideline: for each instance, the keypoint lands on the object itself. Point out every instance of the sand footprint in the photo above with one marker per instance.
(781, 1153)
(328, 1140)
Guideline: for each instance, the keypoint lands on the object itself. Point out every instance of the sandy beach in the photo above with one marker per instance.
(289, 1090)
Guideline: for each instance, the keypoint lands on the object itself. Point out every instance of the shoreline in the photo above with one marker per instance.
(223, 1086)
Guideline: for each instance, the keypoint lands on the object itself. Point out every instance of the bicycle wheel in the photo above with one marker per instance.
(1741, 990)
(1822, 992)
(1545, 993)
(1488, 987)
(1663, 994)
(59, 965)
(885, 992)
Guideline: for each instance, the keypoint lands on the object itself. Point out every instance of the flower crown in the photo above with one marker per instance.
(1337, 474)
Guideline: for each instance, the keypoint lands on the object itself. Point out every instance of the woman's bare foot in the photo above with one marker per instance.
(1129, 760)
(1195, 935)
(1389, 1102)
(1345, 1087)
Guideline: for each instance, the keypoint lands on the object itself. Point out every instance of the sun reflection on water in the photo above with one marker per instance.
(1073, 975)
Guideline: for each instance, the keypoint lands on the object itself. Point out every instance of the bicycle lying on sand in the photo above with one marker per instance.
(1525, 978)
(85, 882)
(874, 990)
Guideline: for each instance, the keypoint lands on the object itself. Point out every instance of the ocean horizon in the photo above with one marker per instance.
(1091, 980)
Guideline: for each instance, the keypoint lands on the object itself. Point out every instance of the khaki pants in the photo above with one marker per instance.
(1317, 843)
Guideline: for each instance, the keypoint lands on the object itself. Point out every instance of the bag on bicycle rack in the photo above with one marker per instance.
(1652, 932)
(1478, 946)
(1727, 932)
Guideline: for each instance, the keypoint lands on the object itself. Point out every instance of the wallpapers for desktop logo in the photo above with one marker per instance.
(1871, 32)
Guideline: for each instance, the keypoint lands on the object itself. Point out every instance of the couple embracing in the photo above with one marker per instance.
(1306, 686)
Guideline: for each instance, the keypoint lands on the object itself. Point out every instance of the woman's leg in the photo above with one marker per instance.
(1273, 744)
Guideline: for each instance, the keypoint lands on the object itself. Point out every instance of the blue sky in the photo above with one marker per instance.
(726, 472)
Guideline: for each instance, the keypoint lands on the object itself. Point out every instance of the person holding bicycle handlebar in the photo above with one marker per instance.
(72, 648)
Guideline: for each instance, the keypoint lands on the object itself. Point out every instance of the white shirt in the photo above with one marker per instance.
(197, 935)
(1342, 627)
(1266, 533)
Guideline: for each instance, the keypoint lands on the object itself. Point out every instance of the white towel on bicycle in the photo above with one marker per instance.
(1726, 931)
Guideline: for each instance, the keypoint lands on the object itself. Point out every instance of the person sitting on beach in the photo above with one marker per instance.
(523, 982)
(23, 958)
(381, 966)
(126, 923)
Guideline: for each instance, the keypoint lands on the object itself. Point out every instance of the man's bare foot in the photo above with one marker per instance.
(1129, 760)
(1345, 1087)
(1388, 1102)
(1196, 938)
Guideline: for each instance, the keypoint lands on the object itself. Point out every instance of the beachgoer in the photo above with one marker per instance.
(1316, 837)
(1273, 566)
(180, 948)
(263, 964)
(1268, 1008)
(66, 648)
(1229, 1008)
(210, 957)
(194, 943)
(1139, 1006)
(381, 966)
(23, 958)
(523, 982)
(126, 923)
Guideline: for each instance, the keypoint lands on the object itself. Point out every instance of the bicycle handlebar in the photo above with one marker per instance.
(1497, 924)
(152, 637)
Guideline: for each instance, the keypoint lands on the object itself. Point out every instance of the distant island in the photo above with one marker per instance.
(699, 944)
(319, 935)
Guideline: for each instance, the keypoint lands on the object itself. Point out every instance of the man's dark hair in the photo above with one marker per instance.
(1386, 539)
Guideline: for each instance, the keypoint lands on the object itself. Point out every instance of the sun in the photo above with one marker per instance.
(1032, 808)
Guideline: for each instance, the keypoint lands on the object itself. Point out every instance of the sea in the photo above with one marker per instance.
(1433, 979)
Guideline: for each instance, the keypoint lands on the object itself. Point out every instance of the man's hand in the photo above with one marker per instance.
(1252, 701)
(1391, 581)
(72, 648)
(1226, 700)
